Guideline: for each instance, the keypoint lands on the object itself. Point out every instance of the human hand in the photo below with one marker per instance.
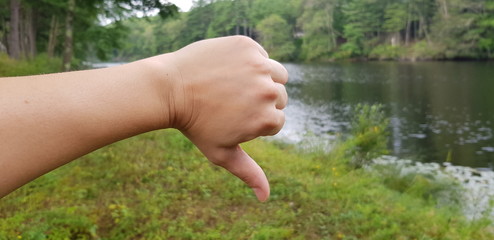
(230, 92)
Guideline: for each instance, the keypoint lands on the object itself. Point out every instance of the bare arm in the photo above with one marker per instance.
(218, 92)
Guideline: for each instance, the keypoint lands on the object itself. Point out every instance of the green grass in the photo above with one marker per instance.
(41, 64)
(159, 186)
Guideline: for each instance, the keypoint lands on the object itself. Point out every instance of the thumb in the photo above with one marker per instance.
(236, 161)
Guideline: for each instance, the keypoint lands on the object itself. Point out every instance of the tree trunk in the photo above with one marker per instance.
(22, 40)
(416, 31)
(53, 37)
(69, 35)
(329, 23)
(444, 7)
(408, 28)
(245, 26)
(14, 48)
(28, 34)
(423, 27)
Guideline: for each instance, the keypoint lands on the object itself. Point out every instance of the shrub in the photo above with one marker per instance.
(369, 134)
(423, 50)
(386, 52)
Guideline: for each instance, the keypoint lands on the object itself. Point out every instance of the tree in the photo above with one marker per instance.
(486, 26)
(317, 23)
(465, 31)
(198, 21)
(14, 34)
(313, 29)
(37, 24)
(168, 34)
(276, 36)
(287, 9)
(69, 34)
(224, 21)
(355, 27)
(395, 17)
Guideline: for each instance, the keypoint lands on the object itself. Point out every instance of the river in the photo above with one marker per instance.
(435, 109)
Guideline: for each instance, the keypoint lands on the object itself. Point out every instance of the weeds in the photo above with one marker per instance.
(369, 135)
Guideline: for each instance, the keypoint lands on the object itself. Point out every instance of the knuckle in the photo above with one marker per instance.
(280, 121)
(219, 158)
(269, 93)
(260, 65)
(282, 89)
(242, 39)
(269, 124)
(220, 161)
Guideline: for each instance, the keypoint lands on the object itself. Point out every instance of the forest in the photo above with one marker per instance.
(72, 30)
(321, 30)
(290, 30)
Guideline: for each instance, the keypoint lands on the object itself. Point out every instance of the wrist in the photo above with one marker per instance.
(163, 80)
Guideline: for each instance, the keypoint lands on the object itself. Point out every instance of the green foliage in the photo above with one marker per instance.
(287, 9)
(311, 30)
(386, 52)
(45, 23)
(270, 233)
(395, 17)
(140, 41)
(322, 30)
(59, 223)
(424, 51)
(275, 36)
(466, 31)
(363, 20)
(486, 42)
(41, 64)
(222, 23)
(369, 136)
(317, 23)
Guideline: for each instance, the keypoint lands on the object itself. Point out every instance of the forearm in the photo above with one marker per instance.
(218, 92)
(49, 120)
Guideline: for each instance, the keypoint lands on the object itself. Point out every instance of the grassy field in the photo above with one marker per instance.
(159, 186)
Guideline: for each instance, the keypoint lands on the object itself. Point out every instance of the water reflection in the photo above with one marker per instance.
(436, 108)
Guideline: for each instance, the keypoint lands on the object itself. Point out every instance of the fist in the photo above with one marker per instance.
(229, 92)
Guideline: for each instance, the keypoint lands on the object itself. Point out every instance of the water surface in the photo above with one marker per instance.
(435, 108)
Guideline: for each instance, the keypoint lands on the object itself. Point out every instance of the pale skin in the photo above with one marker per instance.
(218, 92)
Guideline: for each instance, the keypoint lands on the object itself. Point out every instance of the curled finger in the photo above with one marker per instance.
(282, 99)
(276, 122)
(279, 73)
